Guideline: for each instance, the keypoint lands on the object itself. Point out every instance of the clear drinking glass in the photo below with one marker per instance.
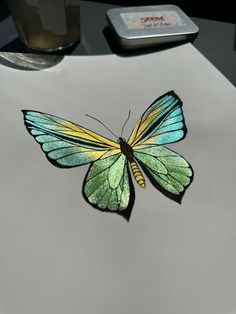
(47, 25)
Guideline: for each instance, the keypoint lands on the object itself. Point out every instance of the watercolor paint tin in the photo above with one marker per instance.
(145, 26)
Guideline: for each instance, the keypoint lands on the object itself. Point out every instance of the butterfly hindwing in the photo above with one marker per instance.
(108, 185)
(67, 144)
(167, 170)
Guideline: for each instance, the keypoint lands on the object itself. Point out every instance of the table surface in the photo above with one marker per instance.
(216, 40)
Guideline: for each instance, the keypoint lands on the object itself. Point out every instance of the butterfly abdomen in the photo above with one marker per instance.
(127, 150)
(137, 174)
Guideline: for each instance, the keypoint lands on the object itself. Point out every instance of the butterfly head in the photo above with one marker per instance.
(121, 140)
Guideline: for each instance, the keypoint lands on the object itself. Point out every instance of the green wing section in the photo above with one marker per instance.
(108, 186)
(167, 170)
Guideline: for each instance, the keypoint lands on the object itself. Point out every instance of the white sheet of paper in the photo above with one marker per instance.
(59, 255)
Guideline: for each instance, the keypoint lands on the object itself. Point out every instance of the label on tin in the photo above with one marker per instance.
(152, 19)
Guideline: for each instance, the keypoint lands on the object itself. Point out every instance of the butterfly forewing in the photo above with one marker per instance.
(161, 123)
(67, 144)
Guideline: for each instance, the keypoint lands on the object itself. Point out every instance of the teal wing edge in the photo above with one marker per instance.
(168, 171)
(108, 186)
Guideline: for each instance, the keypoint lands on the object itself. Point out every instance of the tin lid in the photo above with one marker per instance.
(156, 22)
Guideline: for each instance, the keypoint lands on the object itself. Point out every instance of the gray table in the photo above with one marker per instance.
(216, 40)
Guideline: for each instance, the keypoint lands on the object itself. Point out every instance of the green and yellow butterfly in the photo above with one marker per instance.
(108, 185)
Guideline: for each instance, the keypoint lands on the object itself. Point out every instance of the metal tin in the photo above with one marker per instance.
(145, 26)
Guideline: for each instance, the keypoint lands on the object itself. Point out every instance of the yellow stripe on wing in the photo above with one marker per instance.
(96, 154)
(141, 126)
(78, 131)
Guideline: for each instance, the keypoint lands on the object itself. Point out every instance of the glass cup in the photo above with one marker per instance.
(47, 25)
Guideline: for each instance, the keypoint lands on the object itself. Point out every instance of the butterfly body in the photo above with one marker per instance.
(127, 150)
(108, 184)
(137, 173)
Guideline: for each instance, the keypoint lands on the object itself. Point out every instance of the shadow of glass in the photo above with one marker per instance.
(28, 61)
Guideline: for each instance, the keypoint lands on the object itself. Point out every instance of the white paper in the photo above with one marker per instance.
(59, 255)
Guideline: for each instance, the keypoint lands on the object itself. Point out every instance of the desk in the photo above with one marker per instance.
(216, 40)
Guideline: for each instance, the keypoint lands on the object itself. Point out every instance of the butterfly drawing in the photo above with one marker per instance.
(108, 183)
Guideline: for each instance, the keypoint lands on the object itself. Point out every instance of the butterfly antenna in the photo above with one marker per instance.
(125, 124)
(102, 124)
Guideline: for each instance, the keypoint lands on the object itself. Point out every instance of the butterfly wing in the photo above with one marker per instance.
(167, 170)
(161, 123)
(108, 185)
(67, 144)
